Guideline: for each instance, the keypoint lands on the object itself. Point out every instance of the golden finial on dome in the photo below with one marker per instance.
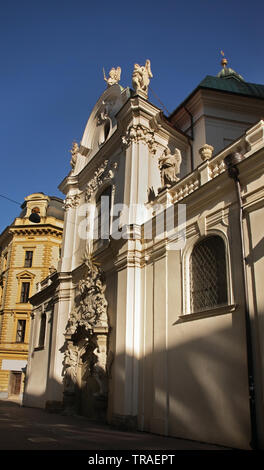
(224, 60)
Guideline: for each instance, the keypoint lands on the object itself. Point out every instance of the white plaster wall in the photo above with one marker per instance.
(255, 273)
(193, 375)
(37, 370)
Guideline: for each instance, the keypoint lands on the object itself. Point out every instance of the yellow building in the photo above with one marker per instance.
(30, 250)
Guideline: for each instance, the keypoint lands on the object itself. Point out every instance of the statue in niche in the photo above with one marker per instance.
(141, 78)
(114, 76)
(169, 165)
(74, 151)
(70, 362)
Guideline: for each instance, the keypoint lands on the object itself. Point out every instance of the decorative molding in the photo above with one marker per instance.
(137, 133)
(36, 231)
(255, 136)
(106, 171)
(210, 312)
(72, 201)
(201, 222)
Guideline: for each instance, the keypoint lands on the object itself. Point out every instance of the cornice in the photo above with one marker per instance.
(44, 294)
(40, 229)
(253, 200)
(136, 106)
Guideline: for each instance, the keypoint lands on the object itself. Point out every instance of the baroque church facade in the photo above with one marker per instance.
(155, 314)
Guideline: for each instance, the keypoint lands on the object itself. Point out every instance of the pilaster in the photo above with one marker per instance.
(128, 339)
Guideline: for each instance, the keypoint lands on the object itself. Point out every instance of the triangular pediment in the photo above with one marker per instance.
(25, 275)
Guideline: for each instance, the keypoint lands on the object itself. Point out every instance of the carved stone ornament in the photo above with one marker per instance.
(135, 134)
(71, 359)
(206, 152)
(141, 78)
(72, 201)
(169, 165)
(114, 76)
(91, 309)
(74, 151)
(105, 171)
(89, 314)
(104, 111)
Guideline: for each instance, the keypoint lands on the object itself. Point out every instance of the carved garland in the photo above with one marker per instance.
(135, 134)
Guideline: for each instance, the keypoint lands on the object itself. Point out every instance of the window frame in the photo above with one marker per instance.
(21, 316)
(24, 276)
(23, 330)
(27, 291)
(186, 273)
(30, 259)
(42, 331)
(97, 244)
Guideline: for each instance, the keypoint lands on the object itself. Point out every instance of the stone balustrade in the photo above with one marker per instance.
(210, 168)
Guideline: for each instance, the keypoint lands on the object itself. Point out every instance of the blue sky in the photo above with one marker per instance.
(52, 55)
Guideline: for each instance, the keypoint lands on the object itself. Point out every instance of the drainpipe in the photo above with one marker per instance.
(192, 133)
(231, 161)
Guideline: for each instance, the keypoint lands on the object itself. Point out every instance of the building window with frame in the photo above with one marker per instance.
(25, 288)
(102, 215)
(28, 259)
(21, 331)
(208, 278)
(42, 330)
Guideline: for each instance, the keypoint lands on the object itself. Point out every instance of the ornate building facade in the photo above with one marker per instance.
(156, 311)
(29, 250)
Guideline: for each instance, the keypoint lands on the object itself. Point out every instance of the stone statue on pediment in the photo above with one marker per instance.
(169, 165)
(141, 78)
(114, 76)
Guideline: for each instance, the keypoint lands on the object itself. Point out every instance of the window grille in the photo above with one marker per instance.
(208, 282)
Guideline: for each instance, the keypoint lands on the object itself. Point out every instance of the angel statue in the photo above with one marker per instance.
(140, 78)
(169, 165)
(114, 76)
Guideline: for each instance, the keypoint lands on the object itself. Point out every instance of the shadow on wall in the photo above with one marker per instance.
(196, 390)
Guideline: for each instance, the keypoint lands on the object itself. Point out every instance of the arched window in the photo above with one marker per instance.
(208, 281)
(42, 330)
(102, 215)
